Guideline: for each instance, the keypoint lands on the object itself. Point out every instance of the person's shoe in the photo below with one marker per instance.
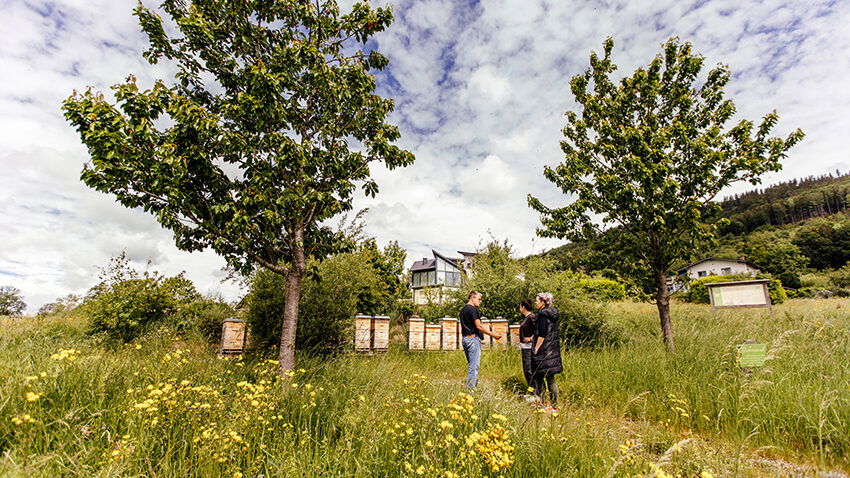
(532, 399)
(551, 410)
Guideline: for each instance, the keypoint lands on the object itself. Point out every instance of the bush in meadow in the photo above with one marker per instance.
(125, 303)
(204, 315)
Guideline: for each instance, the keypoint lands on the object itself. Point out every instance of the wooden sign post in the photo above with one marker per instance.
(740, 294)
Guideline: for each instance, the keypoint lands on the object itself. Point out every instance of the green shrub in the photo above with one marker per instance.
(602, 290)
(585, 324)
(204, 315)
(125, 304)
(840, 277)
(433, 312)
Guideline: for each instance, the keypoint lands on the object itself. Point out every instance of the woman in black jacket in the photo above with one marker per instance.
(546, 354)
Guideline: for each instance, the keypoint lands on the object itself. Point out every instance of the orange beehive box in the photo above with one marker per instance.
(380, 333)
(362, 333)
(500, 326)
(450, 336)
(432, 337)
(232, 336)
(513, 335)
(415, 333)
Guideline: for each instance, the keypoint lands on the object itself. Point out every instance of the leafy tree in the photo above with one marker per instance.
(777, 256)
(647, 156)
(388, 264)
(340, 286)
(268, 128)
(826, 244)
(11, 302)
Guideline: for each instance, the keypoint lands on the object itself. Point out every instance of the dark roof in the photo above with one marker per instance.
(739, 261)
(423, 265)
(447, 259)
(431, 264)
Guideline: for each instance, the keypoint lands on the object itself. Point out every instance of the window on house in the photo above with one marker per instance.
(452, 279)
(726, 271)
(701, 274)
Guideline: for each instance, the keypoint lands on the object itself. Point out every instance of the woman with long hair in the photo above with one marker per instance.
(546, 351)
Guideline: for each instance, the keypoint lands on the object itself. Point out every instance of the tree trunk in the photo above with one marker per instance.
(662, 300)
(290, 309)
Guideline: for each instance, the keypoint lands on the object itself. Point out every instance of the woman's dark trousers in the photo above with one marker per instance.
(551, 385)
(527, 369)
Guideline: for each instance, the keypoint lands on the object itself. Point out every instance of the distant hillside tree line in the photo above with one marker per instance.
(786, 203)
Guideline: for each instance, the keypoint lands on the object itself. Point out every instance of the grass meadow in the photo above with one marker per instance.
(166, 405)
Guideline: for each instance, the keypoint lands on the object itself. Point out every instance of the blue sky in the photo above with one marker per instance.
(480, 90)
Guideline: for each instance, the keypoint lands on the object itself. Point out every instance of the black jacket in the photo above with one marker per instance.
(547, 360)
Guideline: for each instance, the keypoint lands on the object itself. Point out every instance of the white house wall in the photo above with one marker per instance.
(715, 268)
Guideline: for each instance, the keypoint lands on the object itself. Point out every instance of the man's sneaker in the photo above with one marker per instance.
(532, 399)
(551, 410)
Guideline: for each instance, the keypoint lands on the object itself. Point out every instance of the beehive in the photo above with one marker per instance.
(432, 337)
(416, 333)
(513, 335)
(232, 336)
(487, 342)
(380, 333)
(450, 335)
(500, 326)
(362, 333)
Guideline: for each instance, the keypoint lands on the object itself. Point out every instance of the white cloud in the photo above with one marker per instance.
(480, 93)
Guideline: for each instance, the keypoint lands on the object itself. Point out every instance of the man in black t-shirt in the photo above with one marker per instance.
(473, 333)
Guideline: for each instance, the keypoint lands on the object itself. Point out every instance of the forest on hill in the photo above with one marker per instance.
(796, 231)
(786, 203)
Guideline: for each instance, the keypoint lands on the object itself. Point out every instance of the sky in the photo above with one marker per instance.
(480, 89)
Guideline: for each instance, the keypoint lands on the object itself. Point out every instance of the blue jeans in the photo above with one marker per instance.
(472, 349)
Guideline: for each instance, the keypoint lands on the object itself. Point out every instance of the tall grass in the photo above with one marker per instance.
(167, 406)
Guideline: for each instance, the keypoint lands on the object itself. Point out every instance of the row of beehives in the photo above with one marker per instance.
(447, 334)
(372, 333)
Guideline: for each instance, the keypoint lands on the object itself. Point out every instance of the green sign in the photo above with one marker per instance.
(716, 296)
(750, 355)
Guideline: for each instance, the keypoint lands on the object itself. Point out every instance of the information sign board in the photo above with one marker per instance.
(750, 355)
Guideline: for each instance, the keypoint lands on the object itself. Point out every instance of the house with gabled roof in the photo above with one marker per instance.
(717, 266)
(433, 279)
